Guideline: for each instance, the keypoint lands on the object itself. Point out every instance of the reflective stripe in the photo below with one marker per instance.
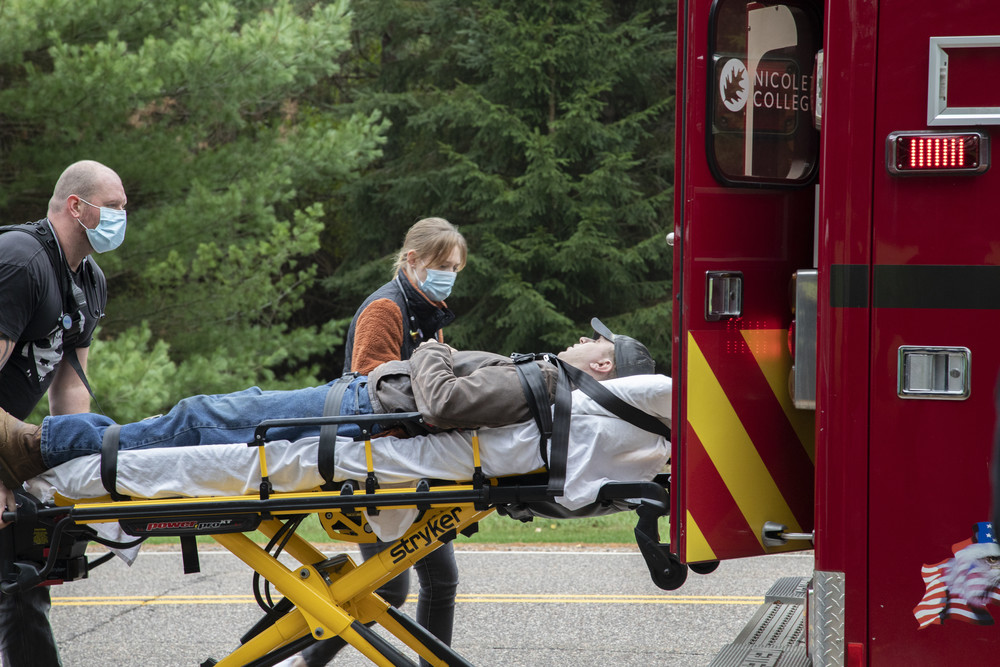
(698, 548)
(748, 454)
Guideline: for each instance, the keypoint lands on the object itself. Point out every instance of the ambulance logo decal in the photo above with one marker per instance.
(734, 85)
(961, 587)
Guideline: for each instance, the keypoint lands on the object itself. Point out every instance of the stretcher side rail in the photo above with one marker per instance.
(328, 440)
(109, 448)
(364, 421)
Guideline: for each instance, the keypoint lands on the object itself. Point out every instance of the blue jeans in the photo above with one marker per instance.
(437, 573)
(204, 420)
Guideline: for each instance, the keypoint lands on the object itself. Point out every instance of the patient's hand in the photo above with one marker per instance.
(9, 502)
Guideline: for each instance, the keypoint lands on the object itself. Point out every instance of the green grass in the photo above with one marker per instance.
(495, 529)
(611, 529)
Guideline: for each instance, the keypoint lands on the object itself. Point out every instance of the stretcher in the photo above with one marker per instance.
(415, 494)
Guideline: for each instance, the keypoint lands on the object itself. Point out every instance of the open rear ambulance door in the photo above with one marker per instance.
(747, 151)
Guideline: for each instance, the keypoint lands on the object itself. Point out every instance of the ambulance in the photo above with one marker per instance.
(836, 329)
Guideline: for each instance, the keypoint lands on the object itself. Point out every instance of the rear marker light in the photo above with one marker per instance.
(937, 153)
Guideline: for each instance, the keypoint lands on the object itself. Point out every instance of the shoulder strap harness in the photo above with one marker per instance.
(554, 425)
(72, 294)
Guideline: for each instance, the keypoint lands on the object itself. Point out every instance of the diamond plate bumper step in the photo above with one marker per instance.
(776, 635)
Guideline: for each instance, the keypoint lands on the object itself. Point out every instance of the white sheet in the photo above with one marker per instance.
(603, 449)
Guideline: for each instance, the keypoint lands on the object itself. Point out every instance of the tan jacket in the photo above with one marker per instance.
(454, 389)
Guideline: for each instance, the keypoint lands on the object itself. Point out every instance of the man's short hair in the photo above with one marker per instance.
(83, 179)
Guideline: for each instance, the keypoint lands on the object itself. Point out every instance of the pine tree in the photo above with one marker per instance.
(215, 115)
(275, 151)
(544, 130)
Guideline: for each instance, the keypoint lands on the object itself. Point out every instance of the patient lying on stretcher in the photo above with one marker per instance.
(602, 449)
(452, 389)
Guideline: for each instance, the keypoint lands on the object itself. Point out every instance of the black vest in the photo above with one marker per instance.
(422, 319)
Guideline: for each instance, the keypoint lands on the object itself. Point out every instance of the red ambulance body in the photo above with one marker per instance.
(836, 320)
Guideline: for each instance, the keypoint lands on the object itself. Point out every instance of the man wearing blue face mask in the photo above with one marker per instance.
(110, 230)
(52, 295)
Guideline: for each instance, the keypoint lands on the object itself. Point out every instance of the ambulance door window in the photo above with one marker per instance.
(760, 92)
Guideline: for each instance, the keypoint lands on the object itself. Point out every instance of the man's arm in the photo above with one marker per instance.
(6, 348)
(6, 495)
(67, 393)
(489, 395)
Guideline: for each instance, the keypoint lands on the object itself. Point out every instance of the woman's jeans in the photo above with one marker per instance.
(26, 638)
(204, 420)
(437, 573)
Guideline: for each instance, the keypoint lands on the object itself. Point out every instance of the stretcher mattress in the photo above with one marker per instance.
(602, 449)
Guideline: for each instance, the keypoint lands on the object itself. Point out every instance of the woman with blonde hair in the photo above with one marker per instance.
(389, 325)
(410, 308)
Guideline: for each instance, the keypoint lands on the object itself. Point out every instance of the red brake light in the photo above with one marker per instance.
(937, 153)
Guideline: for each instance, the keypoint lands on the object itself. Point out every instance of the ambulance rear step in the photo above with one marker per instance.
(776, 635)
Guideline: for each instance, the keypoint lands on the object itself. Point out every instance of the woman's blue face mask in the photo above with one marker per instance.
(438, 284)
(110, 231)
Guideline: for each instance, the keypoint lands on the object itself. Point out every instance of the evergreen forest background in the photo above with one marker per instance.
(274, 153)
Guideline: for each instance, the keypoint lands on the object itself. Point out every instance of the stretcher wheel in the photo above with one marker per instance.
(708, 567)
(672, 576)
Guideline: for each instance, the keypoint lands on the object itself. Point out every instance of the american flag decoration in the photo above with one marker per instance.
(962, 586)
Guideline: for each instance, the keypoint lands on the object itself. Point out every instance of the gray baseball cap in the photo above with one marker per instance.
(631, 356)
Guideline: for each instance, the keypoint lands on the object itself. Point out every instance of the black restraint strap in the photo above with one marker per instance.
(560, 435)
(554, 426)
(74, 361)
(189, 554)
(109, 461)
(616, 406)
(537, 395)
(328, 433)
(72, 294)
(570, 375)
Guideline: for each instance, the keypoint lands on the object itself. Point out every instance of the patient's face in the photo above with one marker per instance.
(588, 351)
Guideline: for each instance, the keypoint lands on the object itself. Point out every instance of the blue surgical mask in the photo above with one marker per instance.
(438, 284)
(110, 231)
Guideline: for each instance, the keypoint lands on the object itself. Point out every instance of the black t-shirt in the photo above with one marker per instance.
(32, 310)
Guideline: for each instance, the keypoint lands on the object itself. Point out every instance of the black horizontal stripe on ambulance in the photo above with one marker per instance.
(916, 286)
(849, 285)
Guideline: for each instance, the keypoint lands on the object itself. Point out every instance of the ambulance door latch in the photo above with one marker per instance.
(940, 373)
(723, 295)
(775, 534)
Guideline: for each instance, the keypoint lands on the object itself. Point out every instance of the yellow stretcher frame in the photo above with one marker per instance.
(329, 596)
(326, 597)
(342, 606)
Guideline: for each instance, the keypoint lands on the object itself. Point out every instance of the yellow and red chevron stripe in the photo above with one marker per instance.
(748, 453)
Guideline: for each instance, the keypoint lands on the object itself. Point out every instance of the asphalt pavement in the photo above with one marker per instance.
(541, 606)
